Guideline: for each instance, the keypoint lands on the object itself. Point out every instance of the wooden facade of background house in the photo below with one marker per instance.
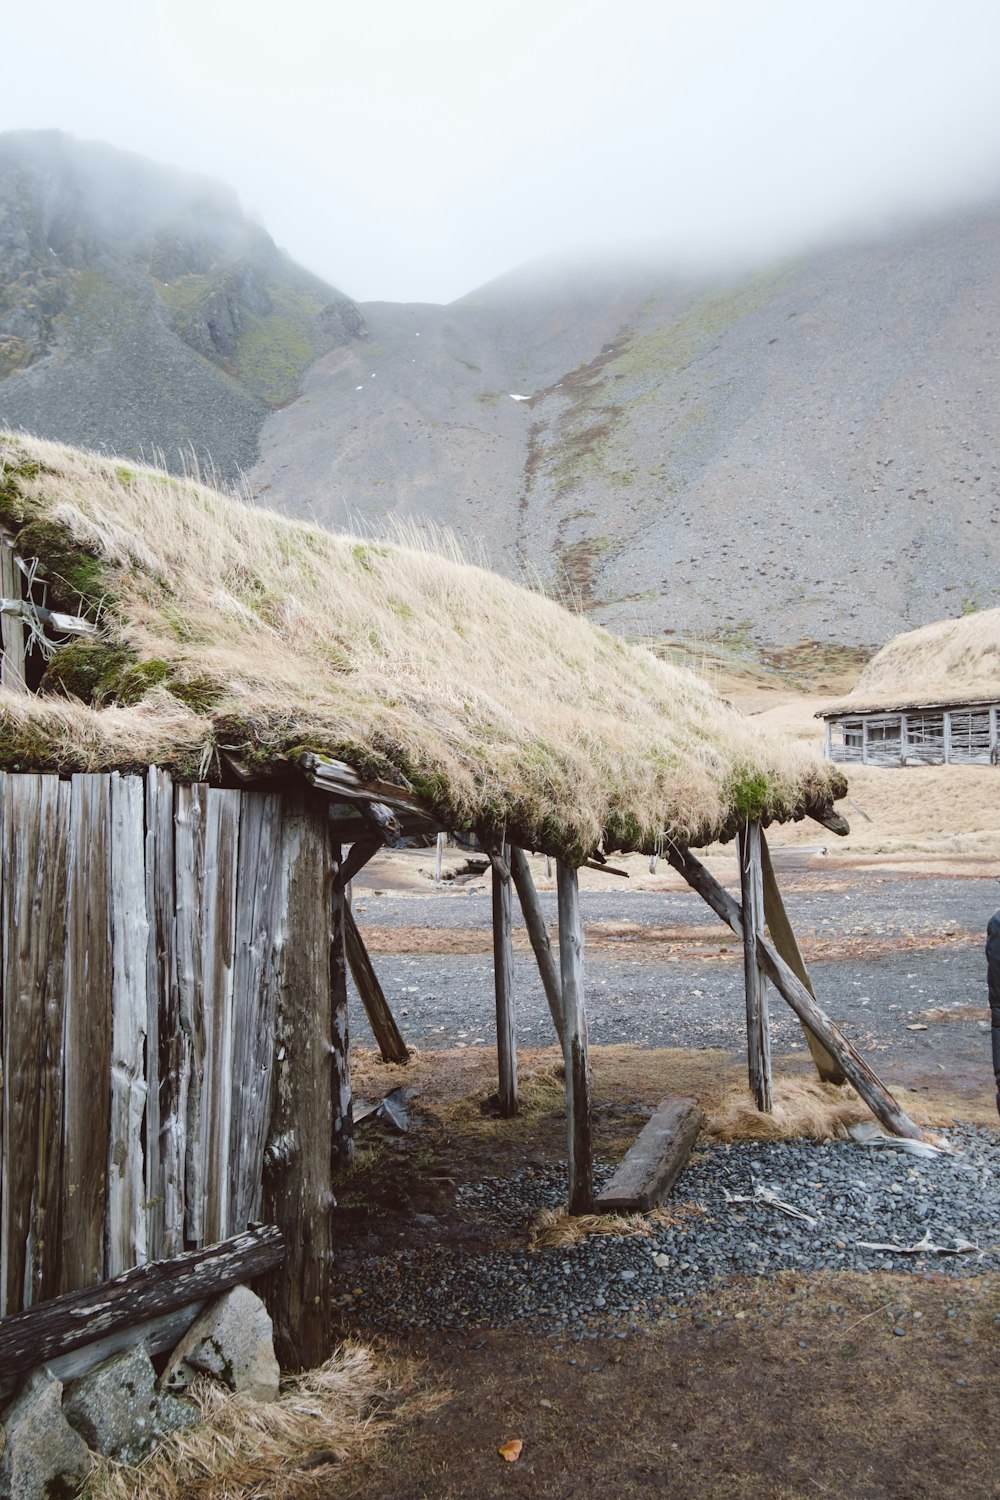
(954, 734)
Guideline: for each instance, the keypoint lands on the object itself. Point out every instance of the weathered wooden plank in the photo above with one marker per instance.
(783, 938)
(11, 626)
(161, 1003)
(538, 935)
(86, 1033)
(340, 1055)
(218, 967)
(503, 982)
(858, 1073)
(298, 1165)
(189, 882)
(655, 1160)
(52, 1329)
(581, 1187)
(754, 977)
(126, 1213)
(254, 989)
(35, 822)
(380, 1017)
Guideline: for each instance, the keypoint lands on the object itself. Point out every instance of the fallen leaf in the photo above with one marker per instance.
(511, 1451)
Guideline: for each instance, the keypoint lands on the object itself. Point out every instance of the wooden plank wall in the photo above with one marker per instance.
(154, 942)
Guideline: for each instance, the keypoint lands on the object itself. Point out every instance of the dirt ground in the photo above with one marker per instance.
(842, 1385)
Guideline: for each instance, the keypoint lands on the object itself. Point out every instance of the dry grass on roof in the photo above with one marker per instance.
(950, 661)
(503, 709)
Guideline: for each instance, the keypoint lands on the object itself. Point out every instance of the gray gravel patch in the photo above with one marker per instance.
(852, 1194)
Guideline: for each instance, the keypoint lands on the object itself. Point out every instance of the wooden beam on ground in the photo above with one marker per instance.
(783, 938)
(538, 935)
(380, 1017)
(857, 1072)
(581, 1174)
(754, 976)
(503, 982)
(54, 1328)
(655, 1160)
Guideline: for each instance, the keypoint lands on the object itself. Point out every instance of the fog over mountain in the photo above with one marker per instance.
(141, 312)
(804, 452)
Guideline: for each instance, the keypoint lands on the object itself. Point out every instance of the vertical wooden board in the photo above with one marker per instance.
(34, 915)
(86, 1033)
(222, 832)
(298, 1187)
(126, 1216)
(3, 1023)
(343, 1115)
(182, 1128)
(161, 1001)
(755, 980)
(254, 983)
(503, 985)
(575, 1053)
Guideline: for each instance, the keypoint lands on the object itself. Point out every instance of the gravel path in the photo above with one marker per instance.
(854, 1195)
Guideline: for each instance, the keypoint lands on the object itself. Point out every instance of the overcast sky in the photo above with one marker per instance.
(413, 151)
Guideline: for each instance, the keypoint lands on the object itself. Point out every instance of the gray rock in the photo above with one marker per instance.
(42, 1457)
(118, 1411)
(233, 1340)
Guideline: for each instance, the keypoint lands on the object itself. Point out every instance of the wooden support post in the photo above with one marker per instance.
(380, 1017)
(343, 1118)
(503, 982)
(581, 1184)
(538, 934)
(783, 939)
(11, 626)
(438, 851)
(754, 978)
(872, 1090)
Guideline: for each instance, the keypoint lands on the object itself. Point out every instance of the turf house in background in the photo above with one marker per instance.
(928, 698)
(210, 718)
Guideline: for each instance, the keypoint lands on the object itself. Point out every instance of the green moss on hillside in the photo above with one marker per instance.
(275, 349)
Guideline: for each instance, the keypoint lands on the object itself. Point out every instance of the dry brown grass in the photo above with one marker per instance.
(804, 1108)
(282, 1450)
(501, 708)
(552, 1228)
(950, 661)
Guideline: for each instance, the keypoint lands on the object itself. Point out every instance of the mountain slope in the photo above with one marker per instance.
(807, 452)
(141, 311)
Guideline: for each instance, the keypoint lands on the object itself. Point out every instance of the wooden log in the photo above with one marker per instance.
(12, 661)
(783, 938)
(538, 936)
(161, 996)
(218, 950)
(298, 1163)
(380, 1018)
(655, 1160)
(858, 1073)
(754, 977)
(503, 983)
(254, 996)
(86, 1034)
(581, 1183)
(343, 1120)
(35, 817)
(126, 1222)
(52, 1329)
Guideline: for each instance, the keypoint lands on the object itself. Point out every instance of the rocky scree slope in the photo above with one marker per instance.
(142, 313)
(802, 453)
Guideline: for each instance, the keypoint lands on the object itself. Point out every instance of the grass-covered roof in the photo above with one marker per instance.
(948, 662)
(224, 625)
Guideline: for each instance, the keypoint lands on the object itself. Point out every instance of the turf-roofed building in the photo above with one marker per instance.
(210, 718)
